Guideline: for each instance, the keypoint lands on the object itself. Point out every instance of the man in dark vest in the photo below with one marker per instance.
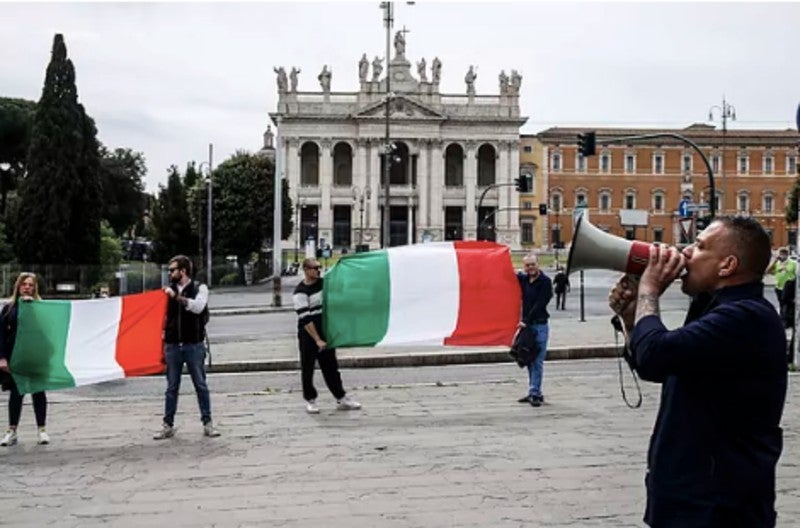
(184, 332)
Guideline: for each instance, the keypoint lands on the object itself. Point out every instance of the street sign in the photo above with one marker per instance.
(686, 227)
(697, 207)
(683, 208)
(580, 210)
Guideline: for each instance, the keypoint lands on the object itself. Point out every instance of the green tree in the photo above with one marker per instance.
(110, 247)
(60, 197)
(123, 189)
(171, 222)
(791, 207)
(242, 208)
(16, 118)
(6, 249)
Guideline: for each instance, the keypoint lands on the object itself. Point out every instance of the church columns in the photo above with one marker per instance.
(471, 186)
(435, 220)
(375, 151)
(325, 185)
(423, 187)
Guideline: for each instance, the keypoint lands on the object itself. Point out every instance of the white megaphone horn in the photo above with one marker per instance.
(593, 248)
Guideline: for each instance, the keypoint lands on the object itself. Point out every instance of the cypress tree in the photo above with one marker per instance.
(60, 206)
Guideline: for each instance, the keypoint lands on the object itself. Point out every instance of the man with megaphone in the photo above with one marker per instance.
(717, 436)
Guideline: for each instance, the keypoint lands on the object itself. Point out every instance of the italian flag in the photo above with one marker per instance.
(64, 344)
(443, 293)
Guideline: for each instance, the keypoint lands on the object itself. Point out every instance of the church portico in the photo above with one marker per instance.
(445, 150)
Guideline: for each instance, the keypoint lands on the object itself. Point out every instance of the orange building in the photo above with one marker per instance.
(754, 170)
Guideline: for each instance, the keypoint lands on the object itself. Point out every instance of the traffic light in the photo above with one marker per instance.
(543, 209)
(524, 183)
(586, 144)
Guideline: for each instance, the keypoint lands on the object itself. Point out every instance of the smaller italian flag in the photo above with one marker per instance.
(442, 293)
(63, 344)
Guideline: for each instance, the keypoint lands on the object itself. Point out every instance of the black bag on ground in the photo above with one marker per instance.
(525, 349)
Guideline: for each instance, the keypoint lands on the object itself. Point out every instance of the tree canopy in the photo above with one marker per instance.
(171, 221)
(60, 197)
(124, 201)
(16, 120)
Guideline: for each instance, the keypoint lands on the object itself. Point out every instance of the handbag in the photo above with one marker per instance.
(525, 347)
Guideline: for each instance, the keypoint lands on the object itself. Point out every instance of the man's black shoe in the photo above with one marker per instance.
(526, 399)
(536, 401)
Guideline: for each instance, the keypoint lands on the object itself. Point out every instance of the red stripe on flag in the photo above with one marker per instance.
(490, 296)
(140, 349)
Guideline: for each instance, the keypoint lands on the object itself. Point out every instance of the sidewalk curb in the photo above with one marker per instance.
(421, 359)
(248, 310)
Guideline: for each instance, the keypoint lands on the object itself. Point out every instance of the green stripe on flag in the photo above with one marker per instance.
(38, 361)
(356, 300)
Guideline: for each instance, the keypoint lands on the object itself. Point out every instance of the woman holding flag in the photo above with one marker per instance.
(26, 289)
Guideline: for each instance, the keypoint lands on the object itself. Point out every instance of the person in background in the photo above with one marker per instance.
(560, 288)
(26, 289)
(537, 290)
(785, 271)
(307, 300)
(723, 374)
(184, 333)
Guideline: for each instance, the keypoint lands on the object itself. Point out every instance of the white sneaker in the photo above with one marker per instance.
(44, 438)
(347, 404)
(311, 407)
(167, 431)
(10, 438)
(210, 430)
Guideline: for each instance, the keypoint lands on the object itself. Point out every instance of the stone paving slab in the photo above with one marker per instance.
(448, 455)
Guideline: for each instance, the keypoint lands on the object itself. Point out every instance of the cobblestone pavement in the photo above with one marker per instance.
(428, 455)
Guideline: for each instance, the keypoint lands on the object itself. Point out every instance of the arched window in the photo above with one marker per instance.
(309, 164)
(454, 166)
(486, 159)
(399, 169)
(605, 201)
(342, 164)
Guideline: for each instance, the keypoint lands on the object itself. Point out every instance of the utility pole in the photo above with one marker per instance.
(388, 20)
(210, 201)
(277, 253)
(726, 111)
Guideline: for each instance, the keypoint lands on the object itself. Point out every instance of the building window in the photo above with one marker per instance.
(715, 163)
(486, 165)
(454, 166)
(580, 198)
(791, 165)
(605, 201)
(658, 234)
(658, 164)
(687, 163)
(556, 161)
(743, 203)
(658, 203)
(769, 204)
(527, 233)
(342, 216)
(718, 202)
(744, 162)
(605, 162)
(527, 148)
(527, 205)
(556, 203)
(580, 163)
(769, 164)
(630, 200)
(453, 223)
(630, 233)
(309, 165)
(630, 163)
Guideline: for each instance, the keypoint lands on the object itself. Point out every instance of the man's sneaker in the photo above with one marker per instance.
(167, 431)
(210, 430)
(311, 407)
(10, 438)
(44, 438)
(347, 404)
(537, 401)
(525, 399)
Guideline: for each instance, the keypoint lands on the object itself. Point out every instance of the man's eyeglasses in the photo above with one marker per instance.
(313, 267)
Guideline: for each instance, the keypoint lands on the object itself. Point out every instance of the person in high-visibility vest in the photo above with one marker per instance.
(785, 271)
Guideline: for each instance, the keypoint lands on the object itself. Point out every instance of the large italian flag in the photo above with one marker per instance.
(64, 344)
(444, 293)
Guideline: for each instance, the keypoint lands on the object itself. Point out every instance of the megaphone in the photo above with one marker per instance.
(593, 248)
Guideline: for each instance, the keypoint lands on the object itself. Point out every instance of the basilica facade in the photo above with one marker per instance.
(445, 151)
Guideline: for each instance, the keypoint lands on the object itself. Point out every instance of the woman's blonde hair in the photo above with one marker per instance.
(22, 276)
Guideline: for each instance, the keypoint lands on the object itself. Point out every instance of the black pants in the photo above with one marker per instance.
(561, 298)
(15, 407)
(309, 355)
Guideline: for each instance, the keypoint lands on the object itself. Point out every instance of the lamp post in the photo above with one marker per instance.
(726, 111)
(209, 213)
(360, 195)
(301, 203)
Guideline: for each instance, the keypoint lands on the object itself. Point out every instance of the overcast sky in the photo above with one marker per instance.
(168, 79)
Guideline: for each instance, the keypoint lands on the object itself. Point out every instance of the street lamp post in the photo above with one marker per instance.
(726, 111)
(209, 212)
(301, 203)
(360, 196)
(388, 21)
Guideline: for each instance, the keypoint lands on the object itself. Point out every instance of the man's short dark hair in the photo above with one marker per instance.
(749, 241)
(183, 262)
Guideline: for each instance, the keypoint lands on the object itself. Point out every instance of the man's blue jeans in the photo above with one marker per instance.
(193, 355)
(536, 369)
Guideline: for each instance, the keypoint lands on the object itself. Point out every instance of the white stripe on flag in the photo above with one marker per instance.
(424, 294)
(92, 341)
